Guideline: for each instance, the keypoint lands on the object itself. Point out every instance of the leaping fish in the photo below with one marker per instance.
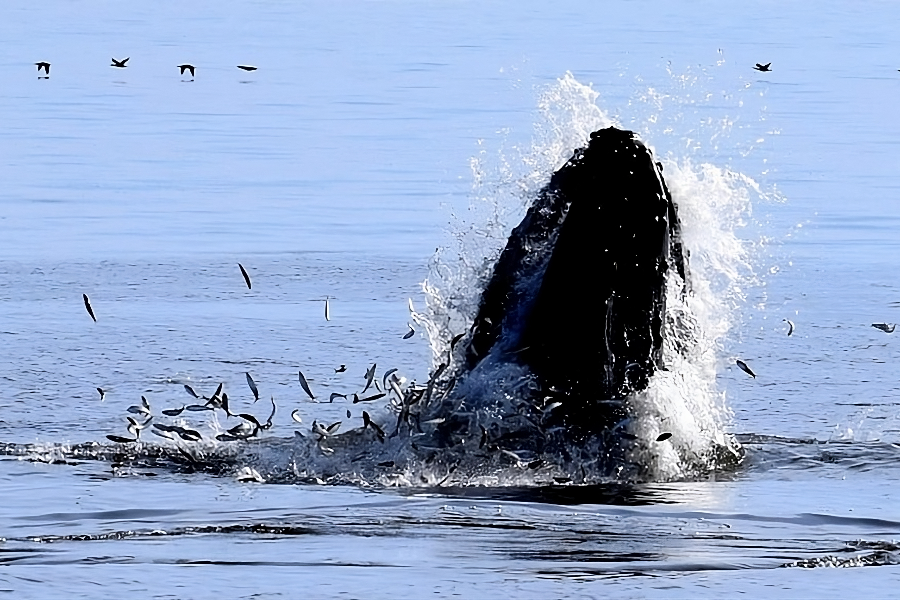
(327, 309)
(87, 305)
(370, 375)
(305, 386)
(745, 368)
(244, 271)
(790, 326)
(253, 387)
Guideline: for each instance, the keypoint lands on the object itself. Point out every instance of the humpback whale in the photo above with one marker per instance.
(578, 295)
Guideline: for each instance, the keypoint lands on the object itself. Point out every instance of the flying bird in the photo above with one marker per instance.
(87, 305)
(763, 68)
(43, 65)
(246, 277)
(246, 68)
(187, 68)
(102, 393)
(745, 368)
(119, 63)
(885, 327)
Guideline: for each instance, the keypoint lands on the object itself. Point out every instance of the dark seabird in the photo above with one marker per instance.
(745, 368)
(763, 68)
(341, 369)
(246, 277)
(87, 305)
(885, 327)
(246, 68)
(187, 68)
(43, 65)
(102, 393)
(119, 63)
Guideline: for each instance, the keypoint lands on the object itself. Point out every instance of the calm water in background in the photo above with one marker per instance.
(334, 170)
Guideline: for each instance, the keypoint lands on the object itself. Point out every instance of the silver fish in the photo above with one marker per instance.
(790, 326)
(384, 380)
(253, 387)
(244, 272)
(745, 368)
(370, 375)
(87, 305)
(305, 386)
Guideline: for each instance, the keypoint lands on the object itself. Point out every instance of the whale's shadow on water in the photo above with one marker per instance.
(540, 395)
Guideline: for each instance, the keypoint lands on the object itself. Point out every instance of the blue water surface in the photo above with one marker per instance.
(335, 170)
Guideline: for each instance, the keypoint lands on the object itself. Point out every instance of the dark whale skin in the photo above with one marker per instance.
(578, 294)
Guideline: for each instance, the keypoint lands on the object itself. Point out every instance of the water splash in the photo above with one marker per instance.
(715, 204)
(501, 443)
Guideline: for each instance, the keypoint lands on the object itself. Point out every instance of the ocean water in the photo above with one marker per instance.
(384, 144)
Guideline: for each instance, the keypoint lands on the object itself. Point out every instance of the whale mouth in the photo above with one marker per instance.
(578, 294)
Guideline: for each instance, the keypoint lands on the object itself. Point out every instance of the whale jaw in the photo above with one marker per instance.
(578, 294)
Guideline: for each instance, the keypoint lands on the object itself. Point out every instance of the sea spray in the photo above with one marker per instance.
(714, 205)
